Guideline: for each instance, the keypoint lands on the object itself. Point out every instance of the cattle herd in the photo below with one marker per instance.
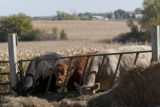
(96, 76)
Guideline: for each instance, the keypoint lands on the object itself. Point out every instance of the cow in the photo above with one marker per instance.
(75, 74)
(101, 76)
(38, 73)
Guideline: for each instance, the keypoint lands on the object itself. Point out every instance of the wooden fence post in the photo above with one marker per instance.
(13, 62)
(155, 39)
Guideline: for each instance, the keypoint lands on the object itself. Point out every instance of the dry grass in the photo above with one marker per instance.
(92, 30)
(86, 35)
(139, 86)
(54, 100)
(27, 50)
(25, 102)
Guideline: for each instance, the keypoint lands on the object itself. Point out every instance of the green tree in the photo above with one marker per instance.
(121, 14)
(85, 16)
(89, 15)
(109, 15)
(63, 35)
(132, 25)
(59, 15)
(18, 24)
(138, 10)
(66, 16)
(151, 13)
(55, 32)
(150, 16)
(75, 17)
(33, 35)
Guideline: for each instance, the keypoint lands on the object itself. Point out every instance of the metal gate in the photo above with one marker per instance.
(21, 70)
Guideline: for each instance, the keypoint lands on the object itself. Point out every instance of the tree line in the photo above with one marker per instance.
(117, 14)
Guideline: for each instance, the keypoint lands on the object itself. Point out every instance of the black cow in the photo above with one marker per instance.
(37, 75)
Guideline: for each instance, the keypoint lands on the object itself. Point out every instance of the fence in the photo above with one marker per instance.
(4, 74)
(71, 58)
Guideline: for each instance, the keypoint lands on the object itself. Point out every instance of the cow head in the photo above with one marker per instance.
(31, 81)
(26, 87)
(60, 74)
(85, 90)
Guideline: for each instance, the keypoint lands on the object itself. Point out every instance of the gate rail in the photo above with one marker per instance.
(71, 58)
(4, 83)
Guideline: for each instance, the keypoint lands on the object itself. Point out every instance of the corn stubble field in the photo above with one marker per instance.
(92, 30)
(83, 36)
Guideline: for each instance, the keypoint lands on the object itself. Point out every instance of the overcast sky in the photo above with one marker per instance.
(49, 7)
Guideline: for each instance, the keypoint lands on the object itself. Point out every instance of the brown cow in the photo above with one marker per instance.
(75, 74)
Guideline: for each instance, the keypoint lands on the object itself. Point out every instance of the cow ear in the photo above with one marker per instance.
(77, 86)
(58, 66)
(96, 87)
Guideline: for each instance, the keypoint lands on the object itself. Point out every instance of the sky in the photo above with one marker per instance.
(50, 7)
